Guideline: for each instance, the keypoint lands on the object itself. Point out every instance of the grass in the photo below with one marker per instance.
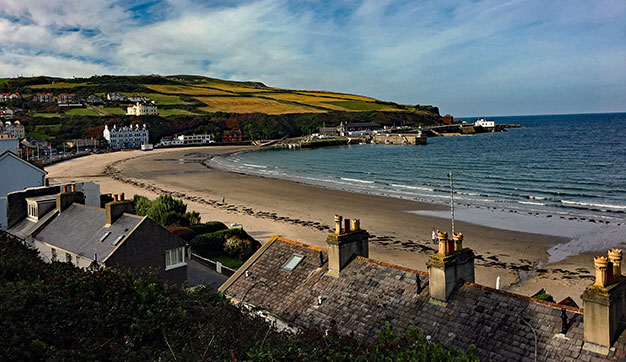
(362, 106)
(46, 114)
(58, 85)
(229, 262)
(175, 112)
(113, 110)
(187, 90)
(80, 112)
(4, 80)
(338, 95)
(230, 87)
(300, 98)
(251, 105)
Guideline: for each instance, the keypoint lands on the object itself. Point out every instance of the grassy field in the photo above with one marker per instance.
(4, 80)
(183, 89)
(338, 95)
(113, 110)
(251, 105)
(45, 131)
(232, 87)
(58, 85)
(80, 112)
(175, 112)
(46, 114)
(300, 98)
(362, 106)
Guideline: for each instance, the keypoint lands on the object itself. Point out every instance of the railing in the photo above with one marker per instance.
(215, 265)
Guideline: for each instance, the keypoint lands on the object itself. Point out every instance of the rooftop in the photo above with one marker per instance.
(368, 293)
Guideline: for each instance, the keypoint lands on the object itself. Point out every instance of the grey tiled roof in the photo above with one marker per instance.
(503, 326)
(79, 228)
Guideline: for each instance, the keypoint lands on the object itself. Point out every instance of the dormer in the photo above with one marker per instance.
(38, 206)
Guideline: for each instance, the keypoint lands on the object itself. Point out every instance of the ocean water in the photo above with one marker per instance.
(567, 166)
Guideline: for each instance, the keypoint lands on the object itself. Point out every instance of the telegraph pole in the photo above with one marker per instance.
(451, 201)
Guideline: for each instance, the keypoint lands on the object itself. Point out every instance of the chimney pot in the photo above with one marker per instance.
(615, 256)
(338, 219)
(346, 227)
(64, 188)
(601, 263)
(356, 224)
(73, 187)
(115, 197)
(442, 236)
(458, 241)
(122, 196)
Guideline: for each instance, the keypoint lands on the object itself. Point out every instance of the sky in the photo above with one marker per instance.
(469, 58)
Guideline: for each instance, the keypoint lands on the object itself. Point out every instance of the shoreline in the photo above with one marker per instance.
(268, 206)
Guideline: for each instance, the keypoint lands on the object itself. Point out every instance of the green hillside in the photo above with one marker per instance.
(200, 104)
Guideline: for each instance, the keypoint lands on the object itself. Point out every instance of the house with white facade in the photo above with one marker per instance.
(116, 97)
(43, 98)
(142, 109)
(126, 137)
(15, 129)
(5, 97)
(16, 174)
(138, 98)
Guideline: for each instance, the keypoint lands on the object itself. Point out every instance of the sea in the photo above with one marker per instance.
(570, 168)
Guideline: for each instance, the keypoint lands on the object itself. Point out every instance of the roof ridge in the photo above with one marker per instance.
(524, 297)
(316, 248)
(393, 266)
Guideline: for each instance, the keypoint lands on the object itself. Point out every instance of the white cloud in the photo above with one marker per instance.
(416, 52)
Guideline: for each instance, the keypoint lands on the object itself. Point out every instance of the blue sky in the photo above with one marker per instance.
(470, 58)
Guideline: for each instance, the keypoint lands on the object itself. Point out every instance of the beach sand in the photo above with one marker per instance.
(304, 213)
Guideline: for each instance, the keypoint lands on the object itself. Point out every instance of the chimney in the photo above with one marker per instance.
(604, 303)
(449, 265)
(345, 243)
(115, 209)
(65, 199)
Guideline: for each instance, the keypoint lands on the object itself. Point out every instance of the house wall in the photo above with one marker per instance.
(17, 202)
(8, 144)
(15, 175)
(145, 248)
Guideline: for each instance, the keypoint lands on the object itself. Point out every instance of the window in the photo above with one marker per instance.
(293, 262)
(68, 257)
(174, 258)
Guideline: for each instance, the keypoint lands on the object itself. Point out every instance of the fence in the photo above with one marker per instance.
(215, 265)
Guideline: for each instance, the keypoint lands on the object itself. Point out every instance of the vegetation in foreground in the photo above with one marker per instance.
(57, 312)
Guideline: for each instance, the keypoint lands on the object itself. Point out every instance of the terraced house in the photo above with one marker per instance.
(126, 137)
(340, 288)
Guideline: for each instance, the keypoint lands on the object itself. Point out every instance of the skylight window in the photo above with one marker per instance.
(293, 262)
(103, 237)
(119, 238)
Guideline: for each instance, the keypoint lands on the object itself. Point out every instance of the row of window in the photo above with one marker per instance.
(174, 258)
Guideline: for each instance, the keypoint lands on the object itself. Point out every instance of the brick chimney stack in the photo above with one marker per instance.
(449, 265)
(604, 303)
(117, 207)
(345, 243)
(66, 198)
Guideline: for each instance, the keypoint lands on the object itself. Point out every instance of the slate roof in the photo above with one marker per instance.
(503, 326)
(78, 229)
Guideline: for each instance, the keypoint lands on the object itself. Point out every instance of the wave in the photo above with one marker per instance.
(255, 166)
(588, 204)
(536, 197)
(412, 187)
(531, 203)
(357, 180)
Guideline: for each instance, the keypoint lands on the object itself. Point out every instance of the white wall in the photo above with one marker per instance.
(16, 175)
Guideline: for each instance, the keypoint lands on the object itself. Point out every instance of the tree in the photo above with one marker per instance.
(166, 211)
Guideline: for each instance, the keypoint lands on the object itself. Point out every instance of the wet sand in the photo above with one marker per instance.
(267, 207)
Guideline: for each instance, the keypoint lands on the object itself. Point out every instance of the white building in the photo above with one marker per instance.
(138, 98)
(195, 139)
(16, 174)
(5, 97)
(15, 129)
(142, 109)
(485, 123)
(126, 137)
(115, 97)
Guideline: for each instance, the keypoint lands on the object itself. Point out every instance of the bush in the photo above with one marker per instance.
(208, 245)
(166, 211)
(234, 243)
(208, 227)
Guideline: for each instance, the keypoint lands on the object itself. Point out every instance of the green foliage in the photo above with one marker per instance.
(165, 210)
(234, 243)
(56, 312)
(544, 296)
(208, 227)
(227, 261)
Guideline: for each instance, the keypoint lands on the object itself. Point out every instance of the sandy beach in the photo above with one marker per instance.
(304, 213)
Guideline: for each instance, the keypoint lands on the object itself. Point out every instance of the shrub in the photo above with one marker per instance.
(208, 227)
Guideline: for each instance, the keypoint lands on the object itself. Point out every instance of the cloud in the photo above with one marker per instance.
(467, 57)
